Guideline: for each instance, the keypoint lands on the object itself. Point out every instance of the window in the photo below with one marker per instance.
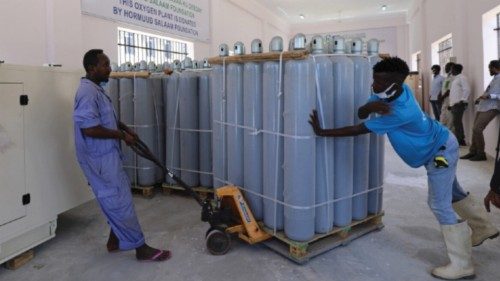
(498, 34)
(419, 59)
(416, 61)
(134, 46)
(445, 51)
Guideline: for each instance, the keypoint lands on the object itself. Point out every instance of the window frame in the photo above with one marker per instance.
(497, 29)
(445, 51)
(134, 46)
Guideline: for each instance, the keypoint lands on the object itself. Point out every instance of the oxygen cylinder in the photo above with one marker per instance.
(144, 120)
(328, 44)
(171, 95)
(196, 64)
(348, 46)
(290, 45)
(218, 93)
(272, 124)
(205, 122)
(189, 125)
(159, 120)
(126, 87)
(377, 142)
(235, 118)
(299, 146)
(324, 146)
(252, 142)
(362, 85)
(113, 91)
(343, 89)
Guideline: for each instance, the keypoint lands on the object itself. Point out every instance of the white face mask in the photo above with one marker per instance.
(384, 94)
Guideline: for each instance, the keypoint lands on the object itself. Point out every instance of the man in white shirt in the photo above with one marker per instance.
(436, 85)
(459, 96)
(446, 118)
(487, 110)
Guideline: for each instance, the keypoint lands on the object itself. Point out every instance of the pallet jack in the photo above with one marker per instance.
(227, 213)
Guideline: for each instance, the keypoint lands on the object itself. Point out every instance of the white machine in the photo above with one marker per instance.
(39, 175)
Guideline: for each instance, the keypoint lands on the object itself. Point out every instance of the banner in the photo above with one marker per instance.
(187, 18)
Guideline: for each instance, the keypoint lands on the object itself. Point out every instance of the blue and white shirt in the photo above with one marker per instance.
(493, 90)
(436, 85)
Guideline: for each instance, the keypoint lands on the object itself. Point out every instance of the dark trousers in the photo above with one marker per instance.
(436, 108)
(457, 111)
(480, 122)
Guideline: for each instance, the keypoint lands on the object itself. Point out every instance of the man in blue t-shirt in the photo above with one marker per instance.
(422, 141)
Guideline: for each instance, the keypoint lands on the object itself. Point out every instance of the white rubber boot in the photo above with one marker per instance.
(458, 245)
(474, 213)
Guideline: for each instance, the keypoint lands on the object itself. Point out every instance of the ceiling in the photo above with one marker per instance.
(323, 10)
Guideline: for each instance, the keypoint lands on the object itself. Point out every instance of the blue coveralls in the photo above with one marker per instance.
(101, 162)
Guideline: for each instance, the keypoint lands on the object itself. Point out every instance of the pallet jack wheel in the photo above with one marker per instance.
(218, 242)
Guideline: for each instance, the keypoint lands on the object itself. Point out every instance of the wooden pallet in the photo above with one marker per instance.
(302, 252)
(204, 192)
(20, 260)
(144, 191)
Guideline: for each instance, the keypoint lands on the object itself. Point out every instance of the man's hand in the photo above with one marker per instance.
(314, 121)
(492, 197)
(129, 131)
(132, 133)
(483, 97)
(129, 139)
(440, 97)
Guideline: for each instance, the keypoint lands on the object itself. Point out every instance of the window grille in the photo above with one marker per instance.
(445, 51)
(134, 46)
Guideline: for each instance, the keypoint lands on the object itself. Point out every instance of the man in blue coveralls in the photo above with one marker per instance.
(422, 141)
(97, 139)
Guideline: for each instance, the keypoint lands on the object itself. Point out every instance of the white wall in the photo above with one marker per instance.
(55, 31)
(430, 21)
(392, 29)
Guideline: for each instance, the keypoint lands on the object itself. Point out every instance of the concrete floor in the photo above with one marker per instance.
(406, 249)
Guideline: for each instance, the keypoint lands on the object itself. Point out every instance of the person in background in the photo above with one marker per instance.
(436, 86)
(422, 141)
(446, 117)
(487, 110)
(459, 97)
(97, 142)
(493, 195)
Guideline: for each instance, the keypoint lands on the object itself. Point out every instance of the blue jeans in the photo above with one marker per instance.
(444, 188)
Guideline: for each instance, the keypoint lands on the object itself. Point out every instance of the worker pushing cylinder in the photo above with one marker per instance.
(292, 180)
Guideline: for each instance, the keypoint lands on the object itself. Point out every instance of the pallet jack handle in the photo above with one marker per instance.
(142, 150)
